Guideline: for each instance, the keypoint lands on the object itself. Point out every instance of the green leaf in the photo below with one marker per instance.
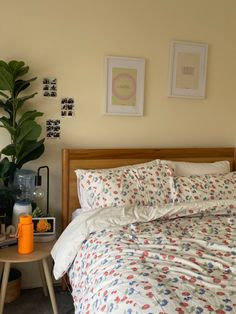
(7, 125)
(21, 85)
(27, 148)
(9, 150)
(7, 106)
(17, 68)
(8, 178)
(4, 167)
(28, 131)
(32, 156)
(6, 80)
(29, 115)
(22, 100)
(4, 65)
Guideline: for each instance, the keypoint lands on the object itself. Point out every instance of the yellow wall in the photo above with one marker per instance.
(68, 39)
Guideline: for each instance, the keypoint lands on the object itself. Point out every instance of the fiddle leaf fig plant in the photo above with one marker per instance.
(24, 131)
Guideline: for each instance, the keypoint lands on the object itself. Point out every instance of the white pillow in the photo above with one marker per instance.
(141, 184)
(205, 187)
(198, 168)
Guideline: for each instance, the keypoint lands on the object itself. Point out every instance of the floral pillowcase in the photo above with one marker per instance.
(147, 184)
(204, 188)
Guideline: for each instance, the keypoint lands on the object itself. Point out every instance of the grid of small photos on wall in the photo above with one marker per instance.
(67, 107)
(49, 87)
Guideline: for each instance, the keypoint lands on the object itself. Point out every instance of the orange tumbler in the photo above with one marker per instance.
(25, 235)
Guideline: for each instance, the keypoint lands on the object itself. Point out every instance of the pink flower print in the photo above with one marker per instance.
(145, 306)
(130, 277)
(117, 299)
(186, 293)
(192, 280)
(209, 308)
(216, 280)
(123, 299)
(220, 293)
(150, 294)
(165, 269)
(103, 308)
(148, 287)
(163, 255)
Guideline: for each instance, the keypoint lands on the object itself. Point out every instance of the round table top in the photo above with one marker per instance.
(11, 255)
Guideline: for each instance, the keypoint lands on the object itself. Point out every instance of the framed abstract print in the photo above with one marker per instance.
(124, 86)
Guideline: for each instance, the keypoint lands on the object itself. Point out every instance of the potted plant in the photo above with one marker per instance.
(23, 130)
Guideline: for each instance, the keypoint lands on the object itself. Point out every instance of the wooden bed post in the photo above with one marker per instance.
(65, 188)
(234, 162)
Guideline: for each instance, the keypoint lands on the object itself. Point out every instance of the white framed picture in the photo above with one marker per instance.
(44, 225)
(188, 68)
(124, 86)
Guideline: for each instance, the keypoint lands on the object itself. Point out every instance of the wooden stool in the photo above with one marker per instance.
(40, 254)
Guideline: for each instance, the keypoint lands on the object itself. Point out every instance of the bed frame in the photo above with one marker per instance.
(106, 158)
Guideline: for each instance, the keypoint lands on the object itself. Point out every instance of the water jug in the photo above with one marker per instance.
(24, 180)
(25, 235)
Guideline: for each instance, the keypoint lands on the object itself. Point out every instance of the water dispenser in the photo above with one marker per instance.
(25, 181)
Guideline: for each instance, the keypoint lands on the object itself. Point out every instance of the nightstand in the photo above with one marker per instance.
(40, 254)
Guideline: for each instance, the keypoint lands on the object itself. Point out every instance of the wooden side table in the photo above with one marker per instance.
(40, 254)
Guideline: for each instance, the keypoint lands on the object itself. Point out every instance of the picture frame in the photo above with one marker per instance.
(44, 225)
(187, 70)
(124, 86)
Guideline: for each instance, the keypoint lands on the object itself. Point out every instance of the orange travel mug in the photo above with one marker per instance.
(25, 235)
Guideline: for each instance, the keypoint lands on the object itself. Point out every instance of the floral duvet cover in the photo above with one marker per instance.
(174, 259)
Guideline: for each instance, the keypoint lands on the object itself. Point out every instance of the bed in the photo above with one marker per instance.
(148, 240)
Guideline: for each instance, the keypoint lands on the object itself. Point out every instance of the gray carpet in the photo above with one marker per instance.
(34, 301)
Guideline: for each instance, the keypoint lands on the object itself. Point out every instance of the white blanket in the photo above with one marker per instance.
(67, 246)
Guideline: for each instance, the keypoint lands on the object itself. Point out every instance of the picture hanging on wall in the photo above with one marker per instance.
(124, 86)
(49, 87)
(188, 67)
(53, 128)
(67, 107)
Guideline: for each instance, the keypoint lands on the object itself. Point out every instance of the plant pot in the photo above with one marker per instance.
(13, 285)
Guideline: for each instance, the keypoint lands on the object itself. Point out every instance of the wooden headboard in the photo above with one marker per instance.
(107, 158)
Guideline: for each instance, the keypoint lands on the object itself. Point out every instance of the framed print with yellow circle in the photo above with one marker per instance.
(124, 86)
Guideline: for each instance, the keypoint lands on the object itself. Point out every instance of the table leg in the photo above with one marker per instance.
(45, 290)
(50, 286)
(5, 276)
